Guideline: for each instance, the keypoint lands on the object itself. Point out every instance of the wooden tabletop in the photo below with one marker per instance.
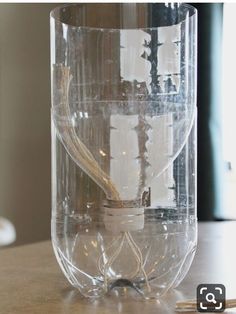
(31, 280)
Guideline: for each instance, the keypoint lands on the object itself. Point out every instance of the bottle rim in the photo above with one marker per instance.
(55, 15)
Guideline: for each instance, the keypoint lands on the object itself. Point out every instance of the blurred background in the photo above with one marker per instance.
(25, 119)
(25, 174)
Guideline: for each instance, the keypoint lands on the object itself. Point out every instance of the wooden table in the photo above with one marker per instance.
(31, 281)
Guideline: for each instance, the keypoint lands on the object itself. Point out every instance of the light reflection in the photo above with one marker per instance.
(82, 114)
(94, 244)
(120, 307)
(102, 153)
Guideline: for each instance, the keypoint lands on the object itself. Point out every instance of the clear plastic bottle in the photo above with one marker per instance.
(124, 145)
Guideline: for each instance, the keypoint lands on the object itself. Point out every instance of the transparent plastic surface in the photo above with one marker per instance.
(124, 146)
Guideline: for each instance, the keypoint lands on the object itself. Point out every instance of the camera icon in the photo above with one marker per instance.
(211, 298)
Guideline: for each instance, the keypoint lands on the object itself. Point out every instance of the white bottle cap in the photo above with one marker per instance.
(123, 219)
